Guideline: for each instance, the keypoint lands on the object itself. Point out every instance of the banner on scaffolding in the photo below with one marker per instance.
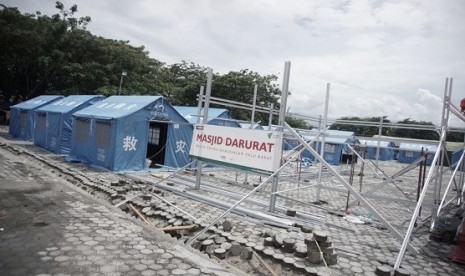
(247, 149)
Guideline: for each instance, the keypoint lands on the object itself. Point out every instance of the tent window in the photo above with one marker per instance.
(103, 131)
(330, 148)
(154, 136)
(409, 154)
(82, 130)
(23, 119)
(41, 122)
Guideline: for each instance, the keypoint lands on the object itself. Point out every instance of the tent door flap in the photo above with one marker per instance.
(157, 139)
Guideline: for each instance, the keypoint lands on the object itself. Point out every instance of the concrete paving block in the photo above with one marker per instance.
(227, 225)
(219, 240)
(226, 246)
(279, 257)
(259, 249)
(235, 249)
(314, 257)
(206, 243)
(247, 253)
(277, 241)
(220, 253)
(269, 252)
(311, 271)
(301, 251)
(320, 236)
(306, 229)
(268, 241)
(299, 266)
(268, 233)
(383, 270)
(289, 262)
(330, 259)
(401, 272)
(291, 212)
(288, 245)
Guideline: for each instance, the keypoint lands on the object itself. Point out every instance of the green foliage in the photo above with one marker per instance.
(366, 131)
(415, 133)
(455, 137)
(41, 54)
(297, 123)
(44, 55)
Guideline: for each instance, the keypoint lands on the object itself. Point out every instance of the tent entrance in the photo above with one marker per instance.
(157, 143)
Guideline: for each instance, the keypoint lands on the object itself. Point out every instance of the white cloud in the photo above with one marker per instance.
(381, 57)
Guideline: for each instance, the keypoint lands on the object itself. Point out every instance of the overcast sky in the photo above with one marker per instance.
(382, 58)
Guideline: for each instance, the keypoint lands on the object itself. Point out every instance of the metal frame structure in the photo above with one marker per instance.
(437, 169)
(435, 173)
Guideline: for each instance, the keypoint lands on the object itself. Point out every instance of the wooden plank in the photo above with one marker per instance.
(140, 215)
(175, 228)
(270, 269)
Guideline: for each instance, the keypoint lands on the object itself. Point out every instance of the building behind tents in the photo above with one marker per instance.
(121, 132)
(22, 116)
(55, 122)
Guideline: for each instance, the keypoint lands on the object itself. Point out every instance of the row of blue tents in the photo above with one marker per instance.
(336, 148)
(118, 133)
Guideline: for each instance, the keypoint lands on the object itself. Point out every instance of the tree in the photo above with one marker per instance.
(297, 123)
(42, 55)
(415, 133)
(239, 87)
(361, 130)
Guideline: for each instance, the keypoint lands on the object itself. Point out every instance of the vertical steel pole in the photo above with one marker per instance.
(252, 121)
(199, 163)
(322, 149)
(380, 132)
(462, 179)
(204, 121)
(270, 117)
(199, 105)
(439, 168)
(281, 120)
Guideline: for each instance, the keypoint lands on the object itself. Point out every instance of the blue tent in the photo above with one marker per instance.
(55, 122)
(216, 116)
(22, 117)
(409, 152)
(386, 149)
(455, 158)
(121, 132)
(335, 145)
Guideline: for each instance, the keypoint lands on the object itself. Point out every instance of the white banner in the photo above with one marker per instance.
(247, 149)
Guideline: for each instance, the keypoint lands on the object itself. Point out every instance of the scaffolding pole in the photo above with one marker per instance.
(281, 121)
(353, 191)
(322, 149)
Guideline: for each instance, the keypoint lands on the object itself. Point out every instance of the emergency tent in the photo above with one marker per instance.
(121, 132)
(409, 152)
(455, 158)
(216, 116)
(335, 147)
(55, 122)
(22, 116)
(386, 149)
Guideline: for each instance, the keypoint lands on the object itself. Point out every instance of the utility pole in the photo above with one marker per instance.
(123, 74)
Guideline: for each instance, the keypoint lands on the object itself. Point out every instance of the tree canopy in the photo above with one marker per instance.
(43, 54)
